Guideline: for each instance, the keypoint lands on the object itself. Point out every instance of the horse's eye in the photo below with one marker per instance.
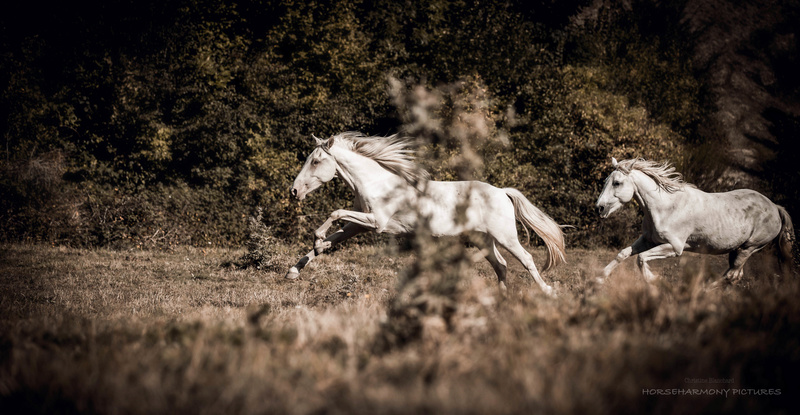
(314, 162)
(616, 184)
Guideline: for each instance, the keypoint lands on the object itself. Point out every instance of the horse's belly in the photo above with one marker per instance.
(715, 246)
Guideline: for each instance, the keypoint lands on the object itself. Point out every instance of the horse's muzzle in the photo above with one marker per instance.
(604, 211)
(297, 193)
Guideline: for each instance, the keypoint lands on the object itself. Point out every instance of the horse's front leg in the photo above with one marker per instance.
(640, 245)
(348, 230)
(660, 252)
(365, 220)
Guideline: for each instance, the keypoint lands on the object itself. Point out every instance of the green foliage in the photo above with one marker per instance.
(221, 99)
(262, 246)
(562, 150)
(159, 217)
(647, 53)
(34, 204)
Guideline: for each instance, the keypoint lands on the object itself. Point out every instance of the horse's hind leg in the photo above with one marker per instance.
(498, 263)
(736, 261)
(516, 249)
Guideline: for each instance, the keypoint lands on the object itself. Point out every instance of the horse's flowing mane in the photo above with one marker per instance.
(394, 153)
(663, 174)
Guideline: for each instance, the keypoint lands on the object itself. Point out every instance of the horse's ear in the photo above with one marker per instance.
(317, 141)
(614, 162)
(329, 143)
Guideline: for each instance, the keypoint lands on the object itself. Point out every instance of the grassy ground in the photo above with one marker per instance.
(143, 332)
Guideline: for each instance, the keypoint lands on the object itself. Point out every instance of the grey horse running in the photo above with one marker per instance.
(679, 217)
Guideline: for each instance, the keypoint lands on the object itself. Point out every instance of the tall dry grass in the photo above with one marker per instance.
(100, 331)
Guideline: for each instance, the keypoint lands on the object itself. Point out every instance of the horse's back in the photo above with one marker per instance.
(457, 192)
(729, 220)
(460, 206)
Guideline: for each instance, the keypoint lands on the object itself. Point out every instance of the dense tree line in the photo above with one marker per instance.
(148, 122)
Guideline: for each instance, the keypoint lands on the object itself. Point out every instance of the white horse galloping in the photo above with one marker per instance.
(679, 217)
(392, 194)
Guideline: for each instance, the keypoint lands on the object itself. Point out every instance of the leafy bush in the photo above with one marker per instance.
(88, 214)
(215, 104)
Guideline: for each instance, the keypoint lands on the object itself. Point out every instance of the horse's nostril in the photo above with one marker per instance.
(600, 209)
(294, 192)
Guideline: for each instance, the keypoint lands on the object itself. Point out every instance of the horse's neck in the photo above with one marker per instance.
(364, 175)
(655, 201)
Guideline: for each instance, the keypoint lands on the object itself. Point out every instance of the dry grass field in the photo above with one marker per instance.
(153, 332)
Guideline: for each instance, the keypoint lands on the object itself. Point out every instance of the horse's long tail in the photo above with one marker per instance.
(543, 225)
(785, 240)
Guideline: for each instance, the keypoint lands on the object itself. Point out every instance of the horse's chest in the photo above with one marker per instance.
(655, 231)
(660, 230)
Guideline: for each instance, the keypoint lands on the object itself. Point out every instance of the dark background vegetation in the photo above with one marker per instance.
(155, 124)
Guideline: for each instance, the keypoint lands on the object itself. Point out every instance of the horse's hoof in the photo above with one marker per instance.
(503, 289)
(653, 291)
(293, 274)
(550, 291)
(600, 281)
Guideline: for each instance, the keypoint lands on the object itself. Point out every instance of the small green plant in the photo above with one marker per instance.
(454, 124)
(262, 246)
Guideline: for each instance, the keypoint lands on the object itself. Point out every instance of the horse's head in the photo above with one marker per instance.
(320, 167)
(618, 190)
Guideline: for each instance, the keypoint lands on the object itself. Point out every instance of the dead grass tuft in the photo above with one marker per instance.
(175, 332)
